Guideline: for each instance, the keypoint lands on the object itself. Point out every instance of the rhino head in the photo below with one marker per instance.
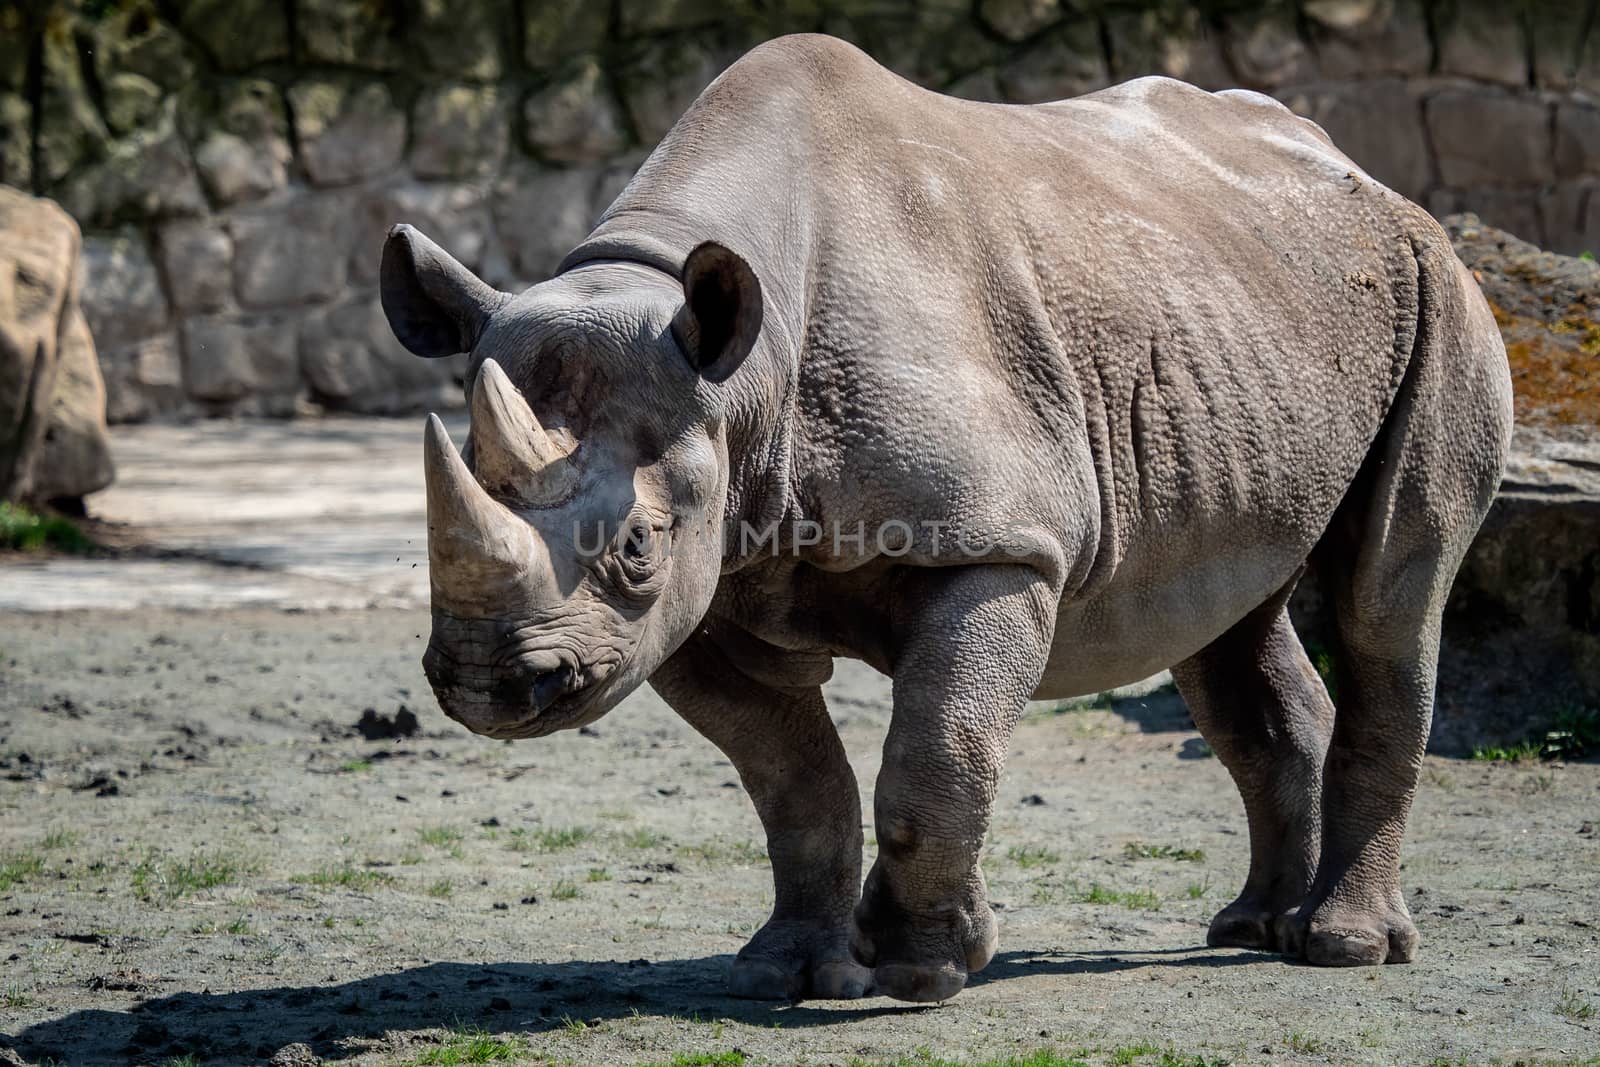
(576, 540)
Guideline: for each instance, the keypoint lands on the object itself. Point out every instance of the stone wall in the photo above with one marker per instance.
(234, 163)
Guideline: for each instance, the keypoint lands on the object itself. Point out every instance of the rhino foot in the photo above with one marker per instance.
(1244, 924)
(921, 958)
(1336, 935)
(790, 960)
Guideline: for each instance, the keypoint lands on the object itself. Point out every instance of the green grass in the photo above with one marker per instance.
(1322, 660)
(1139, 850)
(188, 1059)
(1134, 899)
(1586, 256)
(548, 839)
(1304, 1042)
(472, 1046)
(26, 531)
(564, 890)
(16, 997)
(599, 874)
(344, 877)
(1574, 1007)
(356, 766)
(642, 838)
(17, 868)
(239, 926)
(1197, 890)
(1041, 1058)
(441, 889)
(1028, 858)
(58, 839)
(732, 1058)
(1572, 732)
(440, 836)
(169, 880)
(1128, 1053)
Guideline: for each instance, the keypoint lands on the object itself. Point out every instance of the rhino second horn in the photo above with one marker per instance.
(511, 453)
(478, 550)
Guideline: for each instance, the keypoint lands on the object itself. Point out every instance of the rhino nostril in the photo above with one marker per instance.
(548, 685)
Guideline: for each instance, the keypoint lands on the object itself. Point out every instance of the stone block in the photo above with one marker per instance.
(661, 83)
(16, 141)
(1067, 62)
(462, 41)
(1556, 29)
(121, 290)
(1512, 210)
(229, 359)
(128, 39)
(352, 362)
(197, 260)
(291, 253)
(71, 132)
(1483, 137)
(148, 175)
(1577, 141)
(540, 216)
(1392, 149)
(143, 380)
(242, 138)
(239, 34)
(346, 131)
(1369, 38)
(364, 35)
(1017, 20)
(555, 30)
(1266, 50)
(1175, 42)
(1483, 42)
(1571, 216)
(574, 120)
(459, 131)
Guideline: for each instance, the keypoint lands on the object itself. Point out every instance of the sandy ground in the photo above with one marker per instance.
(202, 858)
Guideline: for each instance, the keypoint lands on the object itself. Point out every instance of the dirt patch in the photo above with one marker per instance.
(196, 863)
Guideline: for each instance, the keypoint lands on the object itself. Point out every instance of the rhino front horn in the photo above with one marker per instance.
(511, 454)
(478, 550)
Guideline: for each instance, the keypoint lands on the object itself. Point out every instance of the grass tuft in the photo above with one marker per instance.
(17, 868)
(472, 1046)
(158, 881)
(1133, 899)
(22, 530)
(1574, 1007)
(1028, 858)
(548, 839)
(345, 877)
(1139, 850)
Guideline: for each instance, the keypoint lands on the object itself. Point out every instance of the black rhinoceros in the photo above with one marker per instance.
(1009, 403)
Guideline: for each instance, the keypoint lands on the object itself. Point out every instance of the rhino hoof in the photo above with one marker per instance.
(1242, 927)
(762, 980)
(920, 983)
(1349, 940)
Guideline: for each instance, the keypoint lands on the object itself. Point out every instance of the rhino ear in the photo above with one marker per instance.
(721, 313)
(436, 307)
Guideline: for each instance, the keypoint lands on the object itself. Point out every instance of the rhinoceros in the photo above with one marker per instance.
(1009, 402)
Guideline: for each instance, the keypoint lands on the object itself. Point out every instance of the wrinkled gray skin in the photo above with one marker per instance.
(1158, 348)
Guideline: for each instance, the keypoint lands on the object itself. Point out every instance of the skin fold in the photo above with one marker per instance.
(1009, 402)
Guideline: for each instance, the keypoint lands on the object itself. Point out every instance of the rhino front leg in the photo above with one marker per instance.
(1259, 703)
(763, 708)
(973, 645)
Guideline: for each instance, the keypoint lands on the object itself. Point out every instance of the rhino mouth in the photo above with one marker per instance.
(525, 696)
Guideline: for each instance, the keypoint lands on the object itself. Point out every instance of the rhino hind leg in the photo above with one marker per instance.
(1262, 708)
(1388, 560)
(767, 715)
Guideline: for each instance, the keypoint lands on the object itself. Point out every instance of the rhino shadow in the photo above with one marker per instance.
(250, 1025)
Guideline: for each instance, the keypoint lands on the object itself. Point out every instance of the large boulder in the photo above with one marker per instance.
(52, 402)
